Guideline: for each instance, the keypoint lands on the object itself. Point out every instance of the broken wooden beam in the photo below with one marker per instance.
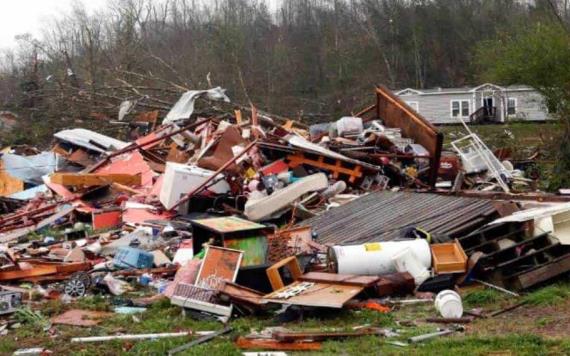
(296, 336)
(271, 344)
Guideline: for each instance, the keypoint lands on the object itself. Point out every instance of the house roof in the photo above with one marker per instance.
(464, 90)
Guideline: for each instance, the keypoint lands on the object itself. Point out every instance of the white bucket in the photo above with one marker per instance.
(448, 304)
(375, 258)
(407, 261)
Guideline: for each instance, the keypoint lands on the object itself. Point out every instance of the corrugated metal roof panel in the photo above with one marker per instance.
(381, 216)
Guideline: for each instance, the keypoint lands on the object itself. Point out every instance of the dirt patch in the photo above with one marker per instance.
(547, 321)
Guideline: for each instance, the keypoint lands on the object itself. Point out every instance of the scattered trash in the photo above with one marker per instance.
(235, 212)
(32, 351)
(9, 302)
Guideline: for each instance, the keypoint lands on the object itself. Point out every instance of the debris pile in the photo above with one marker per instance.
(243, 212)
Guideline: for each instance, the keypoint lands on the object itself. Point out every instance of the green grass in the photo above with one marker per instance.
(483, 297)
(163, 317)
(550, 295)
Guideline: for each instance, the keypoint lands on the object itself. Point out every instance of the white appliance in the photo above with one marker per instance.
(180, 179)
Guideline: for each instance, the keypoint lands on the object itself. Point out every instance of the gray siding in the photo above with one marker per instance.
(530, 106)
(436, 107)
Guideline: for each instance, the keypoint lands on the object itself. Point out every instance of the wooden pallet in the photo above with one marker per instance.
(336, 166)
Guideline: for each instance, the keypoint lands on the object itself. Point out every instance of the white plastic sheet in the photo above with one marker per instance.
(30, 169)
(184, 107)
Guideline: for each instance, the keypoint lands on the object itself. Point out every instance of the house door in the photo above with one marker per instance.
(489, 105)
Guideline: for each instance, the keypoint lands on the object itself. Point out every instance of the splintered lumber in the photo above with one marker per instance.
(34, 272)
(272, 344)
(273, 272)
(92, 179)
(321, 336)
(336, 278)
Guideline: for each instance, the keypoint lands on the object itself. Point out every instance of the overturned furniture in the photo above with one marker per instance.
(395, 113)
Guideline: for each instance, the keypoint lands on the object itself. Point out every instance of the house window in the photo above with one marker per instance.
(414, 105)
(511, 106)
(459, 108)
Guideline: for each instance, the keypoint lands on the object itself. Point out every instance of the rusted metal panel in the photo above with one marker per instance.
(381, 216)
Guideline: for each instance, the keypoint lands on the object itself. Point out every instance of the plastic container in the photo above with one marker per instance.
(128, 257)
(448, 304)
(407, 261)
(349, 125)
(375, 258)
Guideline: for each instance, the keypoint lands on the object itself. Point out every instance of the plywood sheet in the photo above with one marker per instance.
(228, 224)
(318, 295)
(345, 279)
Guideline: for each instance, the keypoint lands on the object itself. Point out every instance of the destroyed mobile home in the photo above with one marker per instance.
(244, 212)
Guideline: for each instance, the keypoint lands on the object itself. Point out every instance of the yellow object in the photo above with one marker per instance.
(373, 247)
(250, 173)
(9, 184)
(411, 171)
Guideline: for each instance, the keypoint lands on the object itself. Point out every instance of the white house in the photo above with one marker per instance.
(484, 103)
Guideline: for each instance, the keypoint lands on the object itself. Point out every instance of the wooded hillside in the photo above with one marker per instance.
(309, 59)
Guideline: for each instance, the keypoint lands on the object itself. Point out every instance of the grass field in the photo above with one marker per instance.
(538, 328)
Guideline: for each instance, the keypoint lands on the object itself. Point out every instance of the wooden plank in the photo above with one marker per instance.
(337, 169)
(242, 294)
(65, 267)
(270, 344)
(292, 336)
(273, 272)
(34, 272)
(93, 179)
(545, 272)
(238, 116)
(344, 279)
(324, 295)
(396, 113)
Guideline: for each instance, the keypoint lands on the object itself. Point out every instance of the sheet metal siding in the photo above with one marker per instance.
(381, 216)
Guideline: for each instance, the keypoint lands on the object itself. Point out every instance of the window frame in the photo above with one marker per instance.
(460, 114)
(516, 106)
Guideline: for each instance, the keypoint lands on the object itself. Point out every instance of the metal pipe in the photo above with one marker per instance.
(200, 340)
(139, 336)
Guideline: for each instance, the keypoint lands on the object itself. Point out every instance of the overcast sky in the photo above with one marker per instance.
(28, 16)
(22, 16)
